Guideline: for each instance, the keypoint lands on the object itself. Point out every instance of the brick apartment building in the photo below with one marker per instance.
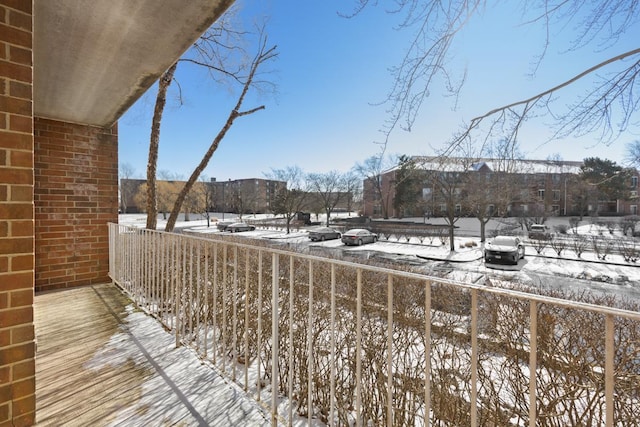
(250, 195)
(67, 73)
(537, 185)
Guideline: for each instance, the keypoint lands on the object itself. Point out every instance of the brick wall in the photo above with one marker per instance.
(76, 194)
(17, 349)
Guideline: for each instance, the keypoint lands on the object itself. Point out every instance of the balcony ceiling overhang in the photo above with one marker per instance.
(93, 59)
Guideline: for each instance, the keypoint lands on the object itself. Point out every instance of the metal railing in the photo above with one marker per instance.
(350, 344)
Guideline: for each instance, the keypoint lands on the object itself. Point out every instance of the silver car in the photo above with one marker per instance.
(240, 226)
(323, 233)
(359, 236)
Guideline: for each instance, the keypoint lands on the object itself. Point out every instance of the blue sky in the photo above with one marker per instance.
(331, 74)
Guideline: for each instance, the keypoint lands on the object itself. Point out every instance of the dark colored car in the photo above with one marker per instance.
(222, 225)
(359, 236)
(239, 226)
(323, 233)
(504, 248)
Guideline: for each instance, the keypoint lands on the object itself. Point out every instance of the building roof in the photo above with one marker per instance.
(459, 164)
(94, 59)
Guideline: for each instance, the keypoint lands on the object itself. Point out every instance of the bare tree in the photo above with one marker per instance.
(372, 172)
(632, 155)
(219, 50)
(353, 184)
(330, 188)
(264, 55)
(125, 173)
(291, 198)
(606, 107)
(447, 179)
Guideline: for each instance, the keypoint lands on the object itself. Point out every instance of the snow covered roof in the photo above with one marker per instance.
(461, 164)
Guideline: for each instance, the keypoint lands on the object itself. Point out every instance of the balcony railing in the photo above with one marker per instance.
(352, 344)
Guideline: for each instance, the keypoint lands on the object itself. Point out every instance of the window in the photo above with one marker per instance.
(634, 182)
(634, 209)
(556, 195)
(541, 194)
(443, 207)
(491, 210)
(377, 209)
(555, 209)
(458, 209)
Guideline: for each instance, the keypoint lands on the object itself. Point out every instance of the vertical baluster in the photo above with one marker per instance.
(199, 310)
(246, 319)
(310, 347)
(234, 302)
(332, 395)
(216, 333)
(474, 357)
(207, 306)
(389, 350)
(275, 313)
(225, 304)
(427, 353)
(609, 369)
(359, 347)
(259, 337)
(533, 361)
(291, 372)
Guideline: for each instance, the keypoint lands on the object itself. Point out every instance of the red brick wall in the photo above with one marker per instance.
(76, 195)
(17, 349)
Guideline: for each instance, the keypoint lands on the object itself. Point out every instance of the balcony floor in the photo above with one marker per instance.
(101, 362)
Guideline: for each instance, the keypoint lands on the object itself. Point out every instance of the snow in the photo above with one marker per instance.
(199, 395)
(614, 276)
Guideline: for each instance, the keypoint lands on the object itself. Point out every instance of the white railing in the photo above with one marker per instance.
(351, 344)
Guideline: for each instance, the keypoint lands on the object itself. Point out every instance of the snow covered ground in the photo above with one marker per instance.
(546, 270)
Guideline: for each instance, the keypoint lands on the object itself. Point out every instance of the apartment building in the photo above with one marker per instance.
(509, 188)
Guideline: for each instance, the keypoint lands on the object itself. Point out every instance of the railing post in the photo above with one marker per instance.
(427, 354)
(246, 319)
(309, 347)
(234, 311)
(533, 361)
(332, 403)
(359, 347)
(474, 357)
(290, 350)
(275, 314)
(389, 350)
(259, 337)
(609, 369)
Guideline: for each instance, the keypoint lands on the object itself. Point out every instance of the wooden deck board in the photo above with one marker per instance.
(100, 362)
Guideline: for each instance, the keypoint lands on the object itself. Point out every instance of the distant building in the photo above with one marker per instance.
(245, 196)
(537, 185)
(250, 195)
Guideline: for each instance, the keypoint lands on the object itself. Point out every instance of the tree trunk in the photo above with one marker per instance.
(163, 85)
(452, 243)
(483, 225)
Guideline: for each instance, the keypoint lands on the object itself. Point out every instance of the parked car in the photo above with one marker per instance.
(539, 232)
(323, 233)
(358, 236)
(239, 226)
(504, 248)
(222, 225)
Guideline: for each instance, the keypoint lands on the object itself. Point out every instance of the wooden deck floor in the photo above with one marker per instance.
(101, 362)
